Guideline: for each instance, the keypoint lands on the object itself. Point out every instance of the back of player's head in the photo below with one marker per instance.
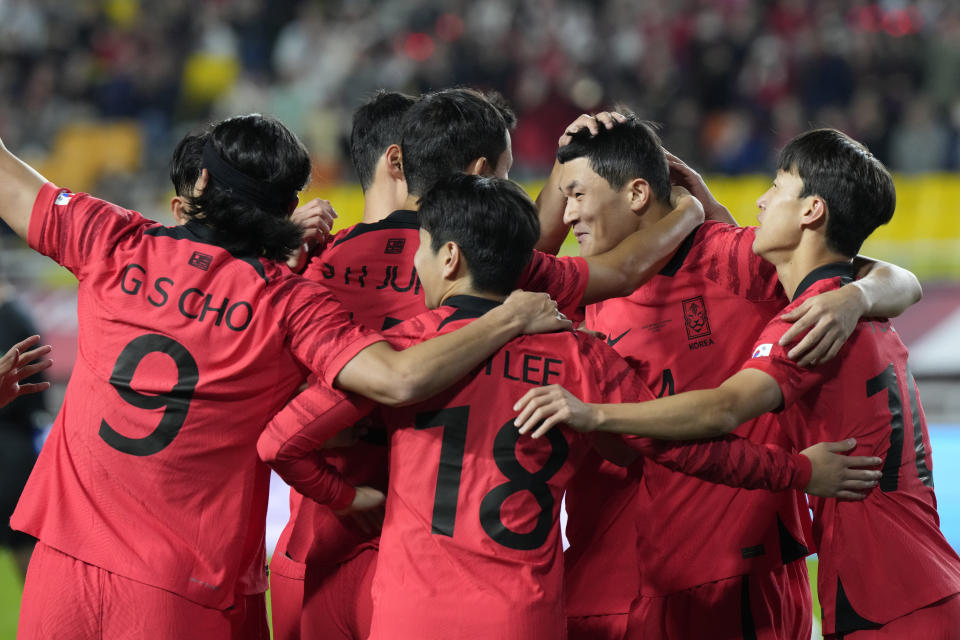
(447, 130)
(493, 221)
(376, 126)
(628, 151)
(256, 168)
(856, 187)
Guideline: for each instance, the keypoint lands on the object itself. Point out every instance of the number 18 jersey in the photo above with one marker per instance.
(185, 351)
(471, 542)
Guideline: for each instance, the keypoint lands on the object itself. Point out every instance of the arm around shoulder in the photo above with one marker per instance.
(888, 290)
(619, 271)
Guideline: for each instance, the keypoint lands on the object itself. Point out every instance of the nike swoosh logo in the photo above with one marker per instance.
(613, 341)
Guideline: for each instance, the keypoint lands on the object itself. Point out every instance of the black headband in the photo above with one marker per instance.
(255, 191)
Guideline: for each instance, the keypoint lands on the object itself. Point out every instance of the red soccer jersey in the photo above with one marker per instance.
(689, 328)
(370, 269)
(885, 556)
(185, 351)
(471, 546)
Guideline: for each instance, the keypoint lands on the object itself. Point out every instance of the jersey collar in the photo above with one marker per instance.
(467, 307)
(671, 268)
(842, 270)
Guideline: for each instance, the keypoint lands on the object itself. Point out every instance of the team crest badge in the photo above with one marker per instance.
(695, 318)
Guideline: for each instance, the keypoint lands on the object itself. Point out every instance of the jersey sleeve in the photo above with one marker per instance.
(565, 279)
(291, 438)
(733, 263)
(319, 329)
(730, 460)
(768, 356)
(75, 228)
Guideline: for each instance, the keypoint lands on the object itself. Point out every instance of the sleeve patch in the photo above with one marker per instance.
(763, 350)
(63, 198)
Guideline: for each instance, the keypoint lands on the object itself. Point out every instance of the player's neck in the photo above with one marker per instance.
(653, 213)
(412, 202)
(795, 265)
(378, 203)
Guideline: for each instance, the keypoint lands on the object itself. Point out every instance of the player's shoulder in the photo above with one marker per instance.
(418, 328)
(402, 221)
(715, 232)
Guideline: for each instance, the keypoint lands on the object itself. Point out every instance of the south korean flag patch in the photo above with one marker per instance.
(63, 198)
(763, 350)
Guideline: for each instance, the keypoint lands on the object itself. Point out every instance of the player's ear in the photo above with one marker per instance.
(814, 213)
(479, 167)
(452, 260)
(178, 209)
(394, 161)
(638, 194)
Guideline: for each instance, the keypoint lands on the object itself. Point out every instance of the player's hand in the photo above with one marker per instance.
(17, 364)
(366, 512)
(682, 175)
(592, 122)
(315, 218)
(841, 476)
(542, 408)
(830, 318)
(536, 312)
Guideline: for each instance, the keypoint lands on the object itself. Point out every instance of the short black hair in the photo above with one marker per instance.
(857, 188)
(376, 126)
(503, 106)
(263, 149)
(628, 151)
(445, 131)
(493, 221)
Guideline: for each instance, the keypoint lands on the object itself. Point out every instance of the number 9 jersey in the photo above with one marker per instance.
(185, 351)
(471, 542)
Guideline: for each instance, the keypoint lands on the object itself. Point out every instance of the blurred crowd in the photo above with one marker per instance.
(729, 80)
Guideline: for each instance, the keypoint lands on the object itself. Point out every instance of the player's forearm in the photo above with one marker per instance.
(886, 289)
(733, 461)
(688, 416)
(402, 377)
(642, 254)
(550, 205)
(693, 415)
(290, 441)
(19, 186)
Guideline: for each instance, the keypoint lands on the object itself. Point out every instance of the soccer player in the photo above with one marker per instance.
(690, 326)
(348, 269)
(147, 499)
(886, 570)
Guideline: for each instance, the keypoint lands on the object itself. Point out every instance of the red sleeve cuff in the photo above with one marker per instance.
(345, 498)
(804, 472)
